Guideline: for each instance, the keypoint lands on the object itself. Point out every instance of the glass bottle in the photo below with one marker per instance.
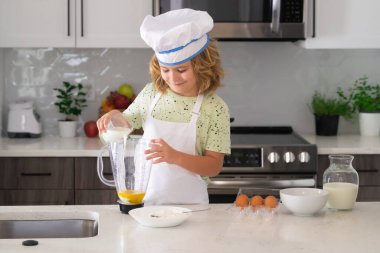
(342, 182)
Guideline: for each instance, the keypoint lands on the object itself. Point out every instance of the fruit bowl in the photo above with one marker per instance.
(303, 201)
(119, 99)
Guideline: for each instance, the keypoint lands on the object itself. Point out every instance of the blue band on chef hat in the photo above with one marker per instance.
(179, 48)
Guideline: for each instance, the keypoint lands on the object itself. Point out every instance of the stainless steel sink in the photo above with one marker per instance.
(10, 229)
(48, 226)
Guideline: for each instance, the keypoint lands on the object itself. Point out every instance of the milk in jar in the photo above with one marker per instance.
(342, 182)
(342, 196)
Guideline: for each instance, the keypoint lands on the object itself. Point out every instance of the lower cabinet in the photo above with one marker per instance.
(36, 197)
(368, 168)
(36, 181)
(95, 197)
(69, 181)
(54, 181)
(89, 190)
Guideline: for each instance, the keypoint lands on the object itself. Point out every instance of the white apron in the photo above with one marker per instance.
(170, 183)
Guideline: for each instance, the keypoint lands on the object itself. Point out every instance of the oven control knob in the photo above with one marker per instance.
(289, 157)
(304, 157)
(273, 157)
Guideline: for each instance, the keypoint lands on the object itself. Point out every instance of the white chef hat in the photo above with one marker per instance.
(177, 36)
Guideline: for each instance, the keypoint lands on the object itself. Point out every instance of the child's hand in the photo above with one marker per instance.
(160, 152)
(114, 116)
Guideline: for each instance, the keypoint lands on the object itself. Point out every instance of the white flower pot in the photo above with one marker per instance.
(369, 124)
(67, 128)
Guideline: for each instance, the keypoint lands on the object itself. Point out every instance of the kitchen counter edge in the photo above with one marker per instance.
(52, 146)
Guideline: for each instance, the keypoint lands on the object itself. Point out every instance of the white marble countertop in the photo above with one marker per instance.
(89, 147)
(50, 147)
(215, 230)
(345, 144)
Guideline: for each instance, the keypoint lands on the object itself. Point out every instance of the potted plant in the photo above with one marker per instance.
(327, 111)
(71, 99)
(365, 99)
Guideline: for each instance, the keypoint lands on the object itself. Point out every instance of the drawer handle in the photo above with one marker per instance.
(107, 174)
(26, 174)
(368, 171)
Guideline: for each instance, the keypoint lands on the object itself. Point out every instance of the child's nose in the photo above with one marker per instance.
(175, 76)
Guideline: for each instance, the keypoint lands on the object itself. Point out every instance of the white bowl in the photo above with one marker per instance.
(160, 216)
(303, 201)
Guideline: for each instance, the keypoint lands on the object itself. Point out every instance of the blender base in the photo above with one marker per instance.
(125, 208)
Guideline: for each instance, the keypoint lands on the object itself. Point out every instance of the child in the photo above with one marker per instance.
(179, 110)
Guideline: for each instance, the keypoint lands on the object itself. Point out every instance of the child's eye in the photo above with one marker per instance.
(181, 70)
(165, 70)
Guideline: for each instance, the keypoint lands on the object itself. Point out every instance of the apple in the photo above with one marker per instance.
(126, 90)
(121, 102)
(90, 129)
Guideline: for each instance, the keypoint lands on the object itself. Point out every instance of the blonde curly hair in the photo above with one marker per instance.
(206, 65)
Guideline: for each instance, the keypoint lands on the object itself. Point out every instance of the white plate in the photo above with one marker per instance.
(160, 216)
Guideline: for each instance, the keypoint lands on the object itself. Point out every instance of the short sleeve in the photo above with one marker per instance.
(136, 112)
(218, 134)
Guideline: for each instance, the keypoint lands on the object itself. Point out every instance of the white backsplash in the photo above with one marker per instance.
(265, 83)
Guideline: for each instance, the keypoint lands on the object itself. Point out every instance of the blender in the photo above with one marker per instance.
(23, 121)
(130, 169)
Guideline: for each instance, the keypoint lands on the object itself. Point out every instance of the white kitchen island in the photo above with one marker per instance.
(215, 230)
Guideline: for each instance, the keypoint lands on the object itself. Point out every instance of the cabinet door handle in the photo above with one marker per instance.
(81, 17)
(68, 18)
(37, 174)
(369, 171)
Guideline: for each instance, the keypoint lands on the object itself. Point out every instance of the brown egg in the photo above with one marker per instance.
(242, 200)
(270, 201)
(257, 201)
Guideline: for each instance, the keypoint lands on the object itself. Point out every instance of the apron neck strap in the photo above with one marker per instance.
(154, 102)
(196, 109)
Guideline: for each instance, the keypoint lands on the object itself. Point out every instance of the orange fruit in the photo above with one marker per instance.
(257, 201)
(108, 107)
(242, 200)
(104, 102)
(270, 201)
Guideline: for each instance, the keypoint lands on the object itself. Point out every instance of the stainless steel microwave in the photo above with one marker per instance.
(287, 20)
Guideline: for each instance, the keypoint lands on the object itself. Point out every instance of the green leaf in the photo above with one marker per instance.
(363, 96)
(70, 99)
(330, 106)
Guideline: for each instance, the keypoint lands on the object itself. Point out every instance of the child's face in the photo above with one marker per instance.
(180, 79)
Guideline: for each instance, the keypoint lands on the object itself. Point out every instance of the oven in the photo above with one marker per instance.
(264, 160)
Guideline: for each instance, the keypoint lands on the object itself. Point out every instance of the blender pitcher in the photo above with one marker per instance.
(130, 169)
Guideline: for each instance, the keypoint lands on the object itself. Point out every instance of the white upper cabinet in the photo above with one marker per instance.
(37, 23)
(72, 23)
(111, 23)
(346, 24)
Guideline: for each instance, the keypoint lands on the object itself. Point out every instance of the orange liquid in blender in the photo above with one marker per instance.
(132, 196)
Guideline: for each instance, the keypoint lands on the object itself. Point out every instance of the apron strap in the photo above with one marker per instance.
(196, 109)
(154, 102)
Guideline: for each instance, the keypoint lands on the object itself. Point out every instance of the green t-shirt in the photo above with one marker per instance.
(213, 125)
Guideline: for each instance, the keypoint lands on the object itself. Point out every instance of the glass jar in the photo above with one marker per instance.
(342, 182)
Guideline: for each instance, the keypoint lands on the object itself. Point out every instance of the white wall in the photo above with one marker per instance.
(272, 83)
(265, 84)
